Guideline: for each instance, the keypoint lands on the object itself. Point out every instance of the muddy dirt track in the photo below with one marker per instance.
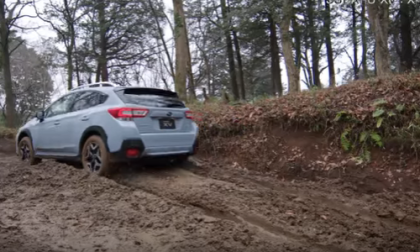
(54, 207)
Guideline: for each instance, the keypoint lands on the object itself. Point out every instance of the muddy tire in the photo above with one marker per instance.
(95, 157)
(26, 151)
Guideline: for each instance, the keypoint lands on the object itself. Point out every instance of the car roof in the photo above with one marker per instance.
(106, 86)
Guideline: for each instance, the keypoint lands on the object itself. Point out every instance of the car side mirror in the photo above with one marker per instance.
(40, 115)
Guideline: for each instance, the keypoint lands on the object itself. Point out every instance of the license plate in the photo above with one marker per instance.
(167, 124)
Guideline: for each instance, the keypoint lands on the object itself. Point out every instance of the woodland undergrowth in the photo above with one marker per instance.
(7, 132)
(358, 116)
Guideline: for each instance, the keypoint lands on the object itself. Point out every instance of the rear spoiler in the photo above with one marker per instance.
(147, 91)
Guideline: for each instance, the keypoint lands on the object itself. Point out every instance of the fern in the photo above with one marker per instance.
(377, 139)
(378, 113)
(345, 143)
(363, 136)
(379, 122)
(380, 102)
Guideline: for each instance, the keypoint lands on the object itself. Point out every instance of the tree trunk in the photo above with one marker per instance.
(208, 72)
(206, 98)
(70, 68)
(308, 69)
(191, 84)
(71, 47)
(314, 44)
(240, 67)
(275, 59)
(364, 41)
(181, 52)
(296, 34)
(77, 70)
(213, 83)
(406, 60)
(103, 41)
(375, 72)
(292, 70)
(328, 44)
(354, 41)
(230, 54)
(379, 21)
(98, 72)
(8, 88)
(7, 75)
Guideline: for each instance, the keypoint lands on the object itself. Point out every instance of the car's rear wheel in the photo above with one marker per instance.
(26, 151)
(95, 157)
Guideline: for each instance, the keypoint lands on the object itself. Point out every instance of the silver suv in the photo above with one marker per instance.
(101, 124)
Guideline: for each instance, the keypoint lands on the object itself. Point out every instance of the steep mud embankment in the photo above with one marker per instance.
(303, 135)
(300, 155)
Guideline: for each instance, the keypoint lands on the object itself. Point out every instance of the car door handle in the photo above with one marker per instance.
(84, 118)
(56, 122)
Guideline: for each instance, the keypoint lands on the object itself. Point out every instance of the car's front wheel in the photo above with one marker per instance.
(95, 157)
(26, 151)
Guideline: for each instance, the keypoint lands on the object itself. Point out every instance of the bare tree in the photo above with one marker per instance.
(181, 50)
(63, 19)
(379, 21)
(275, 59)
(32, 83)
(287, 46)
(9, 15)
(162, 39)
(406, 55)
(328, 44)
(229, 47)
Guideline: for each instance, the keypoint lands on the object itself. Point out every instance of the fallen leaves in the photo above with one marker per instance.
(314, 110)
(262, 136)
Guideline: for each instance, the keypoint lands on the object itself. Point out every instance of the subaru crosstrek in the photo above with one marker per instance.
(101, 124)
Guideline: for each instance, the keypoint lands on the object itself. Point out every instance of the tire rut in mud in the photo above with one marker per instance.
(348, 209)
(398, 209)
(70, 210)
(352, 206)
(314, 223)
(198, 209)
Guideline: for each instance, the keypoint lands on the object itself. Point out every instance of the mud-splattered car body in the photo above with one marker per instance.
(129, 123)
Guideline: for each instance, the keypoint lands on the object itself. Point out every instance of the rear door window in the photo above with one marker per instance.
(87, 99)
(150, 97)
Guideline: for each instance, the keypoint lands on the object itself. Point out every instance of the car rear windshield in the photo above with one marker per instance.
(150, 97)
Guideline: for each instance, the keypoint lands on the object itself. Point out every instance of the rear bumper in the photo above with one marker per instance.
(120, 155)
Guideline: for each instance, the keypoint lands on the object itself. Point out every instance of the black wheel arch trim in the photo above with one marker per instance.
(93, 130)
(25, 132)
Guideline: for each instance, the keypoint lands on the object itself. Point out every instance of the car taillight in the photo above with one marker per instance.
(132, 152)
(189, 115)
(128, 112)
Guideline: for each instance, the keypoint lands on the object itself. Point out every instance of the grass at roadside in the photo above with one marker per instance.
(7, 133)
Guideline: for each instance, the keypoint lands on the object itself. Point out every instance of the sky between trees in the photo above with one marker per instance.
(35, 37)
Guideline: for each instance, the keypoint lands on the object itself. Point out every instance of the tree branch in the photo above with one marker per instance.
(16, 47)
(351, 59)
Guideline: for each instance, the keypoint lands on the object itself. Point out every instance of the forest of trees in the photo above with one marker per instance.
(214, 48)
